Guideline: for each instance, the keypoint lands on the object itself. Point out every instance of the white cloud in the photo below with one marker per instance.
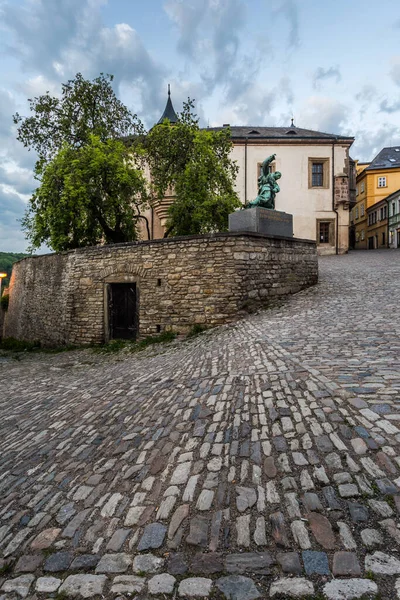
(322, 74)
(369, 142)
(289, 10)
(323, 114)
(395, 70)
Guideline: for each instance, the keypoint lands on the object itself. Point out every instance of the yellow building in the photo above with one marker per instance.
(375, 181)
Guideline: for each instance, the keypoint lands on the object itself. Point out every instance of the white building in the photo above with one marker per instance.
(316, 185)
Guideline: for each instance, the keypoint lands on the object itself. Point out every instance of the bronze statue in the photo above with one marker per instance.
(267, 186)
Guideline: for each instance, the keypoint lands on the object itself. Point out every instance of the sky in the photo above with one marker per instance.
(333, 65)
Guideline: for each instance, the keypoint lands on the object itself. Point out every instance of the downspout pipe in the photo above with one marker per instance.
(245, 171)
(333, 201)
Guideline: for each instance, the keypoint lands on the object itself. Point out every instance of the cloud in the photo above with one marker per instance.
(389, 108)
(395, 70)
(369, 142)
(210, 37)
(44, 29)
(256, 103)
(323, 114)
(289, 10)
(7, 108)
(367, 93)
(322, 74)
(12, 208)
(187, 16)
(59, 39)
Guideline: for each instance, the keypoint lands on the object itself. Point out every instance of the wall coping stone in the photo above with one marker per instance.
(181, 238)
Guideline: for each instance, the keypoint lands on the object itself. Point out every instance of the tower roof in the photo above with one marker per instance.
(169, 112)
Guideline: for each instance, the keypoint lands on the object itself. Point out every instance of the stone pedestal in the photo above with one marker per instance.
(262, 220)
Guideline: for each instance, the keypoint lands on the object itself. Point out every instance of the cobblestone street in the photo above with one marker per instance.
(258, 460)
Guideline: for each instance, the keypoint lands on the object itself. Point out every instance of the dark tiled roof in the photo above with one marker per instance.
(388, 158)
(169, 112)
(393, 195)
(266, 133)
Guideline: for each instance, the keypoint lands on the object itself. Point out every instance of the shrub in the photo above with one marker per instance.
(197, 329)
(4, 300)
(18, 345)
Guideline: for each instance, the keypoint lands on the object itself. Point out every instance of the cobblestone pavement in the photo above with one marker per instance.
(259, 460)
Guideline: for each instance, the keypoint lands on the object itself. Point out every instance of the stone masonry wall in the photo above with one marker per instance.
(180, 281)
(38, 293)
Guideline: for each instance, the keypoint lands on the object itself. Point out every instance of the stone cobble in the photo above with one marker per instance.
(258, 460)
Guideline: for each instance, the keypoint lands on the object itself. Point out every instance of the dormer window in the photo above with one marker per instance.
(291, 132)
(254, 132)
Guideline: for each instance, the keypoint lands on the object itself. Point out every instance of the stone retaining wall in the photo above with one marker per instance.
(61, 298)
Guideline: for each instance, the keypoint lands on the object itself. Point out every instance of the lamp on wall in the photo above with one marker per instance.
(2, 275)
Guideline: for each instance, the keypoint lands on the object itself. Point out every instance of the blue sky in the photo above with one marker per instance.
(333, 65)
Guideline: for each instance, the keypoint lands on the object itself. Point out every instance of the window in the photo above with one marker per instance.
(271, 168)
(318, 172)
(362, 187)
(325, 232)
(362, 235)
(356, 212)
(393, 209)
(356, 190)
(381, 181)
(362, 210)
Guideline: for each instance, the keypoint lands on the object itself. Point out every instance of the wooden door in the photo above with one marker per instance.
(122, 311)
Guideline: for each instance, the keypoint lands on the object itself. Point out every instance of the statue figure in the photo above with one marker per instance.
(267, 186)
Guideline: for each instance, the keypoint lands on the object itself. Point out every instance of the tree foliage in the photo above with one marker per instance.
(84, 108)
(92, 187)
(195, 163)
(87, 195)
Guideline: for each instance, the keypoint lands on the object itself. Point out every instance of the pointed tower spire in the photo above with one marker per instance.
(292, 123)
(169, 112)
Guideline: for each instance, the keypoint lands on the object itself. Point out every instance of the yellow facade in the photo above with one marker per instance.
(372, 187)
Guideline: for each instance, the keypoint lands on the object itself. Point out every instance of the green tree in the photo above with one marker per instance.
(92, 187)
(196, 164)
(88, 195)
(84, 108)
(7, 259)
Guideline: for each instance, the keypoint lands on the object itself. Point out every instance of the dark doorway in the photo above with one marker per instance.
(122, 311)
(370, 243)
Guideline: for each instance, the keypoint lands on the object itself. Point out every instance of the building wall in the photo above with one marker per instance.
(213, 279)
(394, 221)
(371, 195)
(306, 204)
(38, 299)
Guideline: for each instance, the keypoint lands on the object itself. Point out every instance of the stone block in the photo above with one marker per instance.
(262, 220)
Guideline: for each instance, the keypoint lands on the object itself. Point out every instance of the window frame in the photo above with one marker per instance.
(271, 168)
(330, 223)
(325, 173)
(380, 179)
